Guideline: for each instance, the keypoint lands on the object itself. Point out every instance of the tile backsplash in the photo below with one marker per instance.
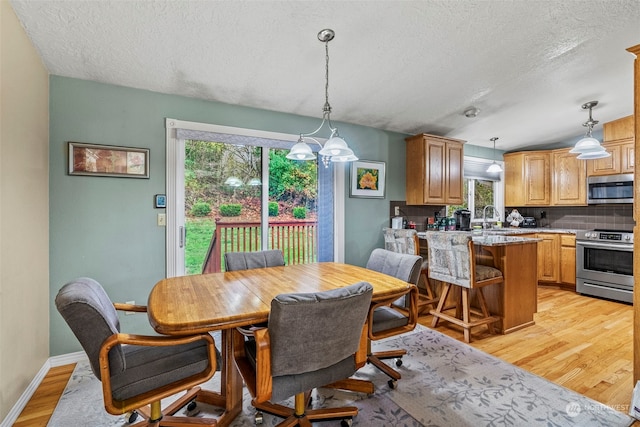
(613, 217)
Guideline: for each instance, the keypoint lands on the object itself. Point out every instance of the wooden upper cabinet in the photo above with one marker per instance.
(619, 140)
(434, 167)
(568, 179)
(527, 178)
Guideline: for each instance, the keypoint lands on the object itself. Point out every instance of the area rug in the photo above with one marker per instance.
(444, 383)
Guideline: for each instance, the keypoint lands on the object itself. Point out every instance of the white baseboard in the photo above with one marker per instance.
(51, 362)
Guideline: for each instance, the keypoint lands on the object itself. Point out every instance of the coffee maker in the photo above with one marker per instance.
(463, 219)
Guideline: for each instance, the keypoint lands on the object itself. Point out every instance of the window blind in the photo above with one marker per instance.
(475, 168)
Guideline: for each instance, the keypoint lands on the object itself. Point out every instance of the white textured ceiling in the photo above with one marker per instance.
(406, 66)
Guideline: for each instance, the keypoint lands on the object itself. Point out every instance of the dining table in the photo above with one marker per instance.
(202, 303)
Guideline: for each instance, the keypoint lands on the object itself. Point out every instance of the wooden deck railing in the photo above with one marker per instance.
(296, 239)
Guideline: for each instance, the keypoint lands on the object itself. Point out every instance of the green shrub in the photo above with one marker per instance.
(200, 209)
(273, 209)
(230, 209)
(300, 212)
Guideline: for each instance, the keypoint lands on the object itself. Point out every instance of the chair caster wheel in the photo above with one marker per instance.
(259, 418)
(398, 362)
(192, 409)
(346, 423)
(393, 384)
(131, 417)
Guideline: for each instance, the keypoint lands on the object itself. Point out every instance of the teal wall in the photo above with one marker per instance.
(105, 228)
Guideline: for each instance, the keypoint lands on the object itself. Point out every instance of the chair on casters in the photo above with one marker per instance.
(136, 370)
(398, 313)
(234, 261)
(452, 260)
(310, 341)
(406, 241)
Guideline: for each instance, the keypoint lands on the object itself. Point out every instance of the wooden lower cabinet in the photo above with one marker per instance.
(557, 260)
(548, 257)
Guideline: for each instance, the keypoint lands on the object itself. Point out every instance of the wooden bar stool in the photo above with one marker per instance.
(452, 260)
(406, 241)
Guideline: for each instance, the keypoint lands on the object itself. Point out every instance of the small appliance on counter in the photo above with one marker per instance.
(528, 222)
(463, 219)
(397, 222)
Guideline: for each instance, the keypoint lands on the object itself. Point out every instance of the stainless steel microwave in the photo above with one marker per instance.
(610, 189)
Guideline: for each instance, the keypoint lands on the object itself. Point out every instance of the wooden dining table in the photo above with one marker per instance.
(201, 303)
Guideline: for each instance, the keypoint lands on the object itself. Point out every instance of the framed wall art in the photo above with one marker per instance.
(367, 179)
(108, 160)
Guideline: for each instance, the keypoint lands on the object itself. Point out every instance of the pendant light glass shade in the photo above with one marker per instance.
(588, 147)
(494, 167)
(301, 151)
(592, 155)
(336, 148)
(233, 181)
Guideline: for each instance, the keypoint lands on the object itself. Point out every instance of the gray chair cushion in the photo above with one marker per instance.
(401, 266)
(90, 314)
(314, 336)
(449, 257)
(134, 369)
(234, 261)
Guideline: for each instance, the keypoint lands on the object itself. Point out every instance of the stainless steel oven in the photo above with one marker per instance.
(604, 264)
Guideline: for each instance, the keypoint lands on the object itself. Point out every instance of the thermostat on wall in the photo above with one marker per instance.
(161, 201)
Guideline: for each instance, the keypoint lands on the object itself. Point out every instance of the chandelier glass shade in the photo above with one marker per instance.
(588, 147)
(494, 167)
(336, 148)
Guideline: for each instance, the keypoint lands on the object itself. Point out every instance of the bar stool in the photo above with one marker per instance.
(452, 260)
(406, 241)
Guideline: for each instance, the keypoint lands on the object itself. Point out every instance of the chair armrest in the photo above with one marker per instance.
(130, 307)
(411, 311)
(264, 380)
(156, 341)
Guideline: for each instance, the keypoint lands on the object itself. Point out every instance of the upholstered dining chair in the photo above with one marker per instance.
(398, 313)
(310, 341)
(406, 241)
(135, 370)
(452, 260)
(234, 261)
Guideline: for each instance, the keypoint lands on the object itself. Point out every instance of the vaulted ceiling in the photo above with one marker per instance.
(405, 66)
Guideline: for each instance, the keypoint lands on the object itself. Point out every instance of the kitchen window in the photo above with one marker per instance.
(481, 189)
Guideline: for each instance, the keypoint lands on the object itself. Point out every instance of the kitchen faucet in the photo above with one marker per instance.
(484, 215)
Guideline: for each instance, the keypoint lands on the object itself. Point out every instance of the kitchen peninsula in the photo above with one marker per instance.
(516, 300)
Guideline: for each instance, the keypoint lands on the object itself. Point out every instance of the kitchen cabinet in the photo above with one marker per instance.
(557, 260)
(527, 178)
(434, 167)
(568, 260)
(548, 257)
(568, 179)
(619, 140)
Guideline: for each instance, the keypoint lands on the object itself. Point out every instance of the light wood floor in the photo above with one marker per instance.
(582, 343)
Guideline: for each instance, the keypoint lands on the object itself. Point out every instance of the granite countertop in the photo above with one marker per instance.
(497, 240)
(489, 238)
(509, 231)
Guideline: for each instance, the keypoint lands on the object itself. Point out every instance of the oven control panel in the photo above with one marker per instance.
(605, 236)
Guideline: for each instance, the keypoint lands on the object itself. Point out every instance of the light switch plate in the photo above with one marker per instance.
(162, 220)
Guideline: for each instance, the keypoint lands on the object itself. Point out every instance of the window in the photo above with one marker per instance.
(481, 189)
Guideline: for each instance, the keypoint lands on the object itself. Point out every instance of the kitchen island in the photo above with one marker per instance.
(516, 300)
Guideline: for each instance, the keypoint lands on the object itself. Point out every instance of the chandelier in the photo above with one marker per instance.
(336, 148)
(588, 147)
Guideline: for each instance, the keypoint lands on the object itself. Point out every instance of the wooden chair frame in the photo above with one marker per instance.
(148, 404)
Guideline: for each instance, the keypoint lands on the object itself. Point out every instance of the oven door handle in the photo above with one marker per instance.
(623, 247)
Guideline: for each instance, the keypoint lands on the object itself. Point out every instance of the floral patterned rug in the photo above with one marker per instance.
(444, 383)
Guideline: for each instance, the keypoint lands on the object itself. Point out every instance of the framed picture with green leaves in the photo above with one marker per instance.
(367, 179)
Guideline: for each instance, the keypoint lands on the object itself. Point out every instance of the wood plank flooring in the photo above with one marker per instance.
(582, 343)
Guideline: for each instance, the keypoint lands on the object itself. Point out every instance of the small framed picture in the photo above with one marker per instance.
(108, 160)
(367, 179)
(160, 201)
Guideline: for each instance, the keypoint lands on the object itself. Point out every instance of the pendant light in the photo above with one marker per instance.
(494, 167)
(336, 148)
(588, 147)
